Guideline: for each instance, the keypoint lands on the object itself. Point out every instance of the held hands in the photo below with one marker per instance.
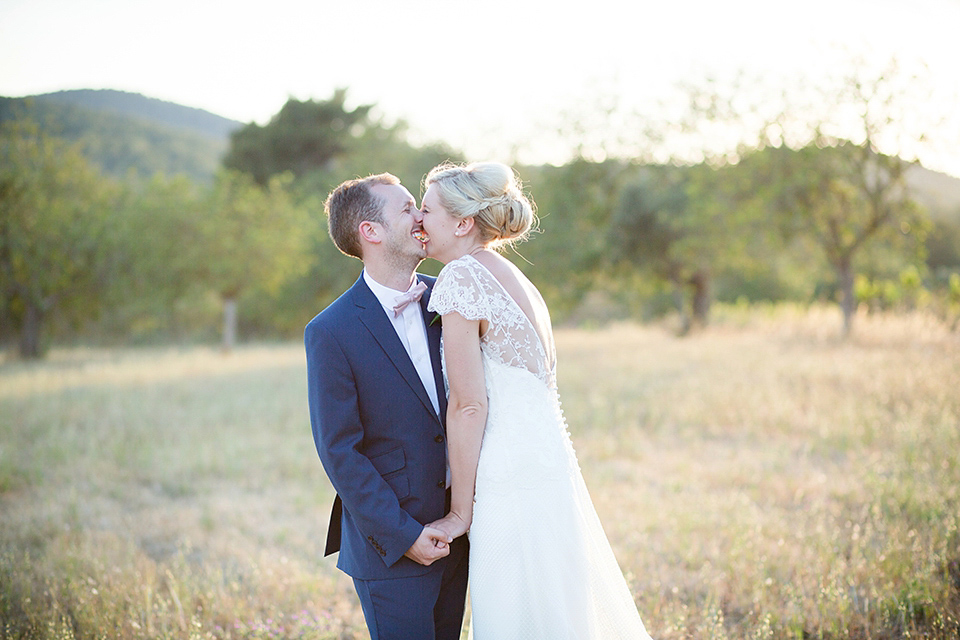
(430, 546)
(434, 541)
(452, 525)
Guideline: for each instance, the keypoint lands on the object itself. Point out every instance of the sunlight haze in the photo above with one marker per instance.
(492, 79)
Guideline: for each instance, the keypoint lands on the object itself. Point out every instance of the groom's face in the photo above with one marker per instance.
(401, 219)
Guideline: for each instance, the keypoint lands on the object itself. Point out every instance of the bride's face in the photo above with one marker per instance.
(439, 226)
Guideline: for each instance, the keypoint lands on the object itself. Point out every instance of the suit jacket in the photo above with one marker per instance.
(380, 441)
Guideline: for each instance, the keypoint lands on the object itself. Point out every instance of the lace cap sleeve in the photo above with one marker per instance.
(459, 289)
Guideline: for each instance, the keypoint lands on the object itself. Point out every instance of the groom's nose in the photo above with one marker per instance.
(418, 216)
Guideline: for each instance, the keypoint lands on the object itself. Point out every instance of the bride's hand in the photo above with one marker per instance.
(451, 524)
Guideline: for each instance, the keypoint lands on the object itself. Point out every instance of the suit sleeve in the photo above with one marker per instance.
(338, 435)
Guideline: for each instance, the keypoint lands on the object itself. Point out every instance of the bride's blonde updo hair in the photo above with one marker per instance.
(488, 192)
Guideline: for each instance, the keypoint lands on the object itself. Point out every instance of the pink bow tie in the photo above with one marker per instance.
(410, 296)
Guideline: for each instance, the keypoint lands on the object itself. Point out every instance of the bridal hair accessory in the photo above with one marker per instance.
(410, 296)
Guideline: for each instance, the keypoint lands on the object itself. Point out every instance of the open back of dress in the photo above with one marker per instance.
(540, 564)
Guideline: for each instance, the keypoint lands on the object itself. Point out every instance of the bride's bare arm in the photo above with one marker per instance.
(466, 417)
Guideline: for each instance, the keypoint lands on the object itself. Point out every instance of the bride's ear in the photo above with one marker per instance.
(369, 231)
(464, 227)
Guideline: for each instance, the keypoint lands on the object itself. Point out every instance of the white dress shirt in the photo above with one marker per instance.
(412, 332)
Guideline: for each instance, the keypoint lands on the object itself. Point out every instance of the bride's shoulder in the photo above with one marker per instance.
(455, 264)
(464, 268)
(503, 271)
(460, 287)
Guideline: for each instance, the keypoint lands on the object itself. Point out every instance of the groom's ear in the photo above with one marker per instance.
(369, 231)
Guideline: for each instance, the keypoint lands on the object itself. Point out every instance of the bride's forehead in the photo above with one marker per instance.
(431, 197)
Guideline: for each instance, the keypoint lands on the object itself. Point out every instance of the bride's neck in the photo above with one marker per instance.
(458, 252)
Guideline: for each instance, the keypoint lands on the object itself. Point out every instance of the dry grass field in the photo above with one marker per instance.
(760, 479)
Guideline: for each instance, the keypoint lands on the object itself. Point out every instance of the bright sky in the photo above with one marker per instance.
(489, 76)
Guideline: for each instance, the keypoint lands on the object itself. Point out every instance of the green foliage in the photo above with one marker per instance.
(56, 231)
(846, 196)
(320, 144)
(903, 293)
(119, 143)
(248, 236)
(326, 273)
(305, 136)
(252, 240)
(943, 246)
(647, 222)
(945, 300)
(693, 226)
(616, 239)
(145, 109)
(155, 286)
(182, 246)
(190, 247)
(378, 148)
(567, 258)
(854, 201)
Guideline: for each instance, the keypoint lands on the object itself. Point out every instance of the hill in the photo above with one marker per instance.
(938, 192)
(121, 131)
(141, 107)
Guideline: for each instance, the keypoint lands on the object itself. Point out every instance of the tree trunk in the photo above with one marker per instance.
(30, 332)
(679, 303)
(229, 323)
(700, 305)
(847, 301)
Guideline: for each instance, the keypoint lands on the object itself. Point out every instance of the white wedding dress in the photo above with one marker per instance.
(541, 567)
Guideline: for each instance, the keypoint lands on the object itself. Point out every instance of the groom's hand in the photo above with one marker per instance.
(431, 545)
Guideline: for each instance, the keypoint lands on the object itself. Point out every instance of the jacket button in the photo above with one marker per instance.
(439, 438)
(442, 484)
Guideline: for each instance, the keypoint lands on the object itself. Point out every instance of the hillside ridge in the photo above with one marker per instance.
(143, 107)
(199, 138)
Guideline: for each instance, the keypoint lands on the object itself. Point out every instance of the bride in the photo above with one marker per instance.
(540, 565)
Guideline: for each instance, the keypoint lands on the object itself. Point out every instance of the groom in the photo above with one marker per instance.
(377, 406)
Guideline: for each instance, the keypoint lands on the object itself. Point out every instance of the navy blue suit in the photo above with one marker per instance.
(382, 445)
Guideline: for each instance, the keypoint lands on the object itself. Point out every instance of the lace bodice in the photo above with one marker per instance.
(532, 512)
(466, 286)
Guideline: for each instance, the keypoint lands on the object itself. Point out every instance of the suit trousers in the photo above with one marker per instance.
(427, 607)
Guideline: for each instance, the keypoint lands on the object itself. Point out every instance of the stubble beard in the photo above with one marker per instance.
(404, 258)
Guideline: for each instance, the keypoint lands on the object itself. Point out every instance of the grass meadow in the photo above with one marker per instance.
(759, 479)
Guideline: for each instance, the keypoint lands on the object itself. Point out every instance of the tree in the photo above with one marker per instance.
(687, 225)
(248, 237)
(319, 144)
(642, 233)
(305, 136)
(846, 185)
(159, 263)
(943, 247)
(848, 196)
(568, 253)
(55, 231)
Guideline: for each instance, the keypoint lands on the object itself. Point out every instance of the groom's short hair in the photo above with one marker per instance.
(351, 203)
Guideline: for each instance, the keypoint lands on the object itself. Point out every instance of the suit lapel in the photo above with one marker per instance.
(434, 332)
(375, 319)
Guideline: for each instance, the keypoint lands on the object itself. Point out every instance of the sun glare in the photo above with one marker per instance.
(507, 102)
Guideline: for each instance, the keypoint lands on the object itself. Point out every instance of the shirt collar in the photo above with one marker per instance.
(386, 295)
